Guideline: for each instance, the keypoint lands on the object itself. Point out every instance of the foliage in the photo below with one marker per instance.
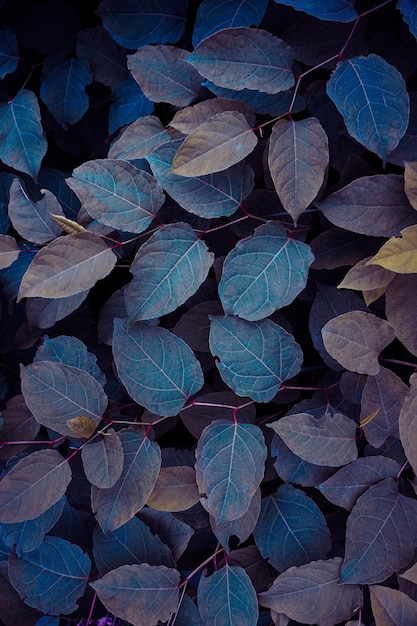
(208, 271)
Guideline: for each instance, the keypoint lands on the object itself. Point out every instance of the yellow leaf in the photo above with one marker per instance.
(68, 226)
(399, 254)
(370, 295)
(364, 278)
(410, 182)
(81, 426)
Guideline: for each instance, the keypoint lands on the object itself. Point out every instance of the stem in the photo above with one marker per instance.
(197, 569)
(91, 609)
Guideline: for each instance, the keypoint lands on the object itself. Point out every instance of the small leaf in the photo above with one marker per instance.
(333, 10)
(9, 251)
(175, 489)
(399, 254)
(380, 534)
(245, 58)
(103, 460)
(159, 370)
(22, 143)
(263, 273)
(222, 141)
(229, 467)
(56, 564)
(372, 97)
(392, 607)
(227, 597)
(329, 440)
(255, 357)
(139, 139)
(81, 426)
(140, 594)
(408, 423)
(355, 340)
(168, 269)
(68, 226)
(33, 485)
(67, 266)
(298, 156)
(311, 594)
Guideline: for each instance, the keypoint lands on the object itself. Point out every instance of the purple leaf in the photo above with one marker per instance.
(391, 606)
(103, 460)
(139, 139)
(407, 423)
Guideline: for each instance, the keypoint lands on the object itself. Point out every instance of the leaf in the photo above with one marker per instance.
(263, 273)
(311, 594)
(245, 58)
(355, 340)
(255, 357)
(67, 266)
(106, 59)
(407, 423)
(18, 423)
(22, 143)
(56, 564)
(175, 489)
(366, 277)
(9, 52)
(400, 309)
(213, 16)
(116, 505)
(213, 195)
(392, 607)
(194, 326)
(9, 251)
(292, 469)
(242, 527)
(69, 351)
(138, 23)
(229, 467)
(410, 182)
(333, 10)
(81, 426)
(410, 574)
(33, 485)
(227, 596)
(188, 119)
(213, 406)
(117, 194)
(44, 312)
(13, 609)
(298, 157)
(380, 534)
(399, 254)
(408, 11)
(329, 440)
(129, 103)
(163, 74)
(222, 141)
(139, 139)
(169, 268)
(172, 531)
(68, 226)
(103, 460)
(133, 543)
(335, 247)
(140, 594)
(291, 530)
(345, 486)
(63, 88)
(55, 393)
(372, 205)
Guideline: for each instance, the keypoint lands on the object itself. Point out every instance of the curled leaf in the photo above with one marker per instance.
(81, 426)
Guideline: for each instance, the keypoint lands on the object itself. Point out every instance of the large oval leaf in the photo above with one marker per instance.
(67, 266)
(116, 505)
(263, 273)
(117, 194)
(56, 564)
(230, 460)
(140, 594)
(33, 485)
(245, 58)
(167, 270)
(255, 357)
(214, 146)
(158, 369)
(372, 97)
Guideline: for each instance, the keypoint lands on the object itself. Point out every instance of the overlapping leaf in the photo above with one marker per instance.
(9, 55)
(103, 460)
(106, 59)
(401, 309)
(226, 593)
(391, 606)
(333, 10)
(213, 16)
(407, 423)
(408, 10)
(175, 489)
(186, 120)
(139, 139)
(292, 469)
(242, 527)
(18, 424)
(366, 277)
(70, 351)
(172, 531)
(399, 254)
(9, 251)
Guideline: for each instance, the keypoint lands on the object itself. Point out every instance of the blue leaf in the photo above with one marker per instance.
(332, 10)
(159, 370)
(22, 143)
(56, 564)
(275, 104)
(106, 58)
(9, 53)
(408, 9)
(242, 527)
(10, 278)
(129, 103)
(291, 529)
(139, 139)
(209, 196)
(264, 273)
(170, 530)
(255, 357)
(44, 312)
(136, 23)
(70, 351)
(167, 270)
(54, 180)
(63, 88)
(213, 16)
(372, 96)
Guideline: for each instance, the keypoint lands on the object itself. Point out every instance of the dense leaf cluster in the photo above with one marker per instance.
(208, 273)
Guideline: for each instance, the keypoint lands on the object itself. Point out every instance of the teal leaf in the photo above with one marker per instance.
(103, 460)
(140, 594)
(245, 58)
(63, 88)
(291, 529)
(230, 464)
(138, 23)
(241, 527)
(255, 357)
(116, 505)
(55, 392)
(106, 58)
(372, 97)
(139, 139)
(9, 52)
(159, 370)
(117, 193)
(174, 533)
(22, 143)
(168, 269)
(332, 10)
(208, 196)
(227, 597)
(264, 273)
(213, 16)
(55, 564)
(292, 469)
(129, 103)
(70, 351)
(408, 9)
